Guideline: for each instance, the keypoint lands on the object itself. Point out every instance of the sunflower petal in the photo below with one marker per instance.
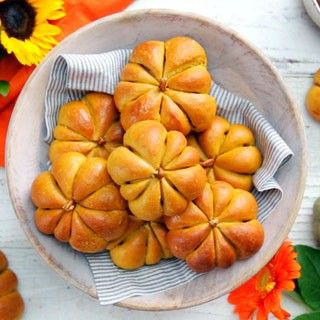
(50, 5)
(33, 50)
(42, 43)
(46, 29)
(56, 15)
(44, 15)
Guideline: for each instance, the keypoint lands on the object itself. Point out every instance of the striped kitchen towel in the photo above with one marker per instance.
(71, 77)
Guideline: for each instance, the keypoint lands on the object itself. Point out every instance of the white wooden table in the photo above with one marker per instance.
(284, 32)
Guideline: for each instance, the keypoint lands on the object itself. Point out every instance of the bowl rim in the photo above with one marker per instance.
(312, 9)
(118, 17)
(317, 5)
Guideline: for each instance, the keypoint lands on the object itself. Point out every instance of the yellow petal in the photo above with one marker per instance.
(46, 29)
(44, 44)
(44, 15)
(47, 4)
(56, 15)
(33, 50)
(48, 10)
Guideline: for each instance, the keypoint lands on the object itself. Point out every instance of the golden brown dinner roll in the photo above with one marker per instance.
(313, 97)
(158, 173)
(11, 303)
(143, 243)
(78, 203)
(216, 229)
(89, 126)
(168, 82)
(228, 152)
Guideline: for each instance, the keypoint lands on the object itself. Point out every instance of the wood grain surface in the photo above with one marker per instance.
(284, 32)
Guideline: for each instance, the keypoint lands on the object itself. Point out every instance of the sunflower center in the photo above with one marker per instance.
(17, 18)
(3, 51)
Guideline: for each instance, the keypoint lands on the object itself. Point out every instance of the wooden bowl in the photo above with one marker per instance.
(313, 10)
(235, 64)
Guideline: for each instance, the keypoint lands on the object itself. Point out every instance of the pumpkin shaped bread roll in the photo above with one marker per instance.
(157, 172)
(11, 303)
(89, 126)
(216, 229)
(144, 243)
(78, 203)
(168, 82)
(313, 97)
(228, 152)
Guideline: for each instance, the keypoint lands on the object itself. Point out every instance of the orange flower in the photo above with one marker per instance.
(261, 295)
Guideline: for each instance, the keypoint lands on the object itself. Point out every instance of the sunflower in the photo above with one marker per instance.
(25, 29)
(261, 295)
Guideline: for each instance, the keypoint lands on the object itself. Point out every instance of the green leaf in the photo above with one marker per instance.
(296, 294)
(4, 88)
(309, 316)
(309, 282)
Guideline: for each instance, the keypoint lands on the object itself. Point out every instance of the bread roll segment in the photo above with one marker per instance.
(217, 228)
(228, 152)
(89, 126)
(167, 81)
(11, 302)
(157, 172)
(78, 203)
(142, 243)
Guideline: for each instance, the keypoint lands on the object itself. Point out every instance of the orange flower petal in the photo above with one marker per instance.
(262, 314)
(288, 285)
(261, 295)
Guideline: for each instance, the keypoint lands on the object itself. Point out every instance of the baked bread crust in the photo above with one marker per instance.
(228, 152)
(89, 126)
(78, 203)
(157, 172)
(144, 243)
(217, 228)
(11, 303)
(168, 82)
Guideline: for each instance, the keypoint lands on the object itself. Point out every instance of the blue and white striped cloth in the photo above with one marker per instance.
(71, 77)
